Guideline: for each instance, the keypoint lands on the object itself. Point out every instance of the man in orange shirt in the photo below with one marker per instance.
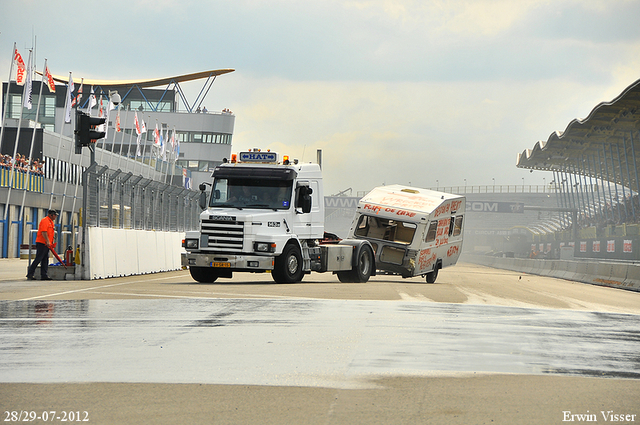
(44, 241)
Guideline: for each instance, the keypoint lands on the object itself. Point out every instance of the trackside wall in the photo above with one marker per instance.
(615, 275)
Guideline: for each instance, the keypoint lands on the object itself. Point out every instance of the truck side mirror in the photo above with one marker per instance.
(202, 201)
(303, 198)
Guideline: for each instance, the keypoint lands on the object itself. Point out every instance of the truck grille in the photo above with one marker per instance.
(223, 235)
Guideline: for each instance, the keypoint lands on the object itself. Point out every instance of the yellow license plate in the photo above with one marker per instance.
(220, 264)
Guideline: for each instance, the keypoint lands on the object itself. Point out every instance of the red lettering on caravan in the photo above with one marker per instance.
(452, 250)
(455, 205)
(426, 259)
(442, 209)
(373, 208)
(407, 213)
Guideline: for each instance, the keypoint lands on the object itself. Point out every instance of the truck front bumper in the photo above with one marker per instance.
(226, 261)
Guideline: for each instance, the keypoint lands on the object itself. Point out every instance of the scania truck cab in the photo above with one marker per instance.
(265, 214)
(413, 231)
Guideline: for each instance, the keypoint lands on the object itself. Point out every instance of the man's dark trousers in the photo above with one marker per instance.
(42, 258)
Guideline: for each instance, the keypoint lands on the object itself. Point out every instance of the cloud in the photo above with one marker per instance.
(418, 132)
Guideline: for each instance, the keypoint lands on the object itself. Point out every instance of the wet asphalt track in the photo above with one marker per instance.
(314, 343)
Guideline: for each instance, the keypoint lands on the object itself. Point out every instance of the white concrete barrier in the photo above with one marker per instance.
(580, 271)
(126, 252)
(559, 269)
(632, 281)
(617, 275)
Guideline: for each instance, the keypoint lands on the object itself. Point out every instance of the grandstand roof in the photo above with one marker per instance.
(154, 82)
(603, 145)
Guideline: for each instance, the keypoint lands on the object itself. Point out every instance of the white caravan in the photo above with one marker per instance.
(414, 232)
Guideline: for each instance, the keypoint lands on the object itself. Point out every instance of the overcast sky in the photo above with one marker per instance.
(397, 91)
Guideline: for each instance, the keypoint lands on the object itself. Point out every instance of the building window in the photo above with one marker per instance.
(49, 107)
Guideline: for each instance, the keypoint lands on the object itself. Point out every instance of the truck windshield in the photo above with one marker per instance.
(251, 193)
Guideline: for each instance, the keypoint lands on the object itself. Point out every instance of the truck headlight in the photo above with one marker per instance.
(191, 243)
(264, 247)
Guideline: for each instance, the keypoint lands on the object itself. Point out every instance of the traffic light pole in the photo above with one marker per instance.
(85, 204)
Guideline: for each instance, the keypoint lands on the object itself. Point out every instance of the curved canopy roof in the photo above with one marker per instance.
(154, 82)
(606, 144)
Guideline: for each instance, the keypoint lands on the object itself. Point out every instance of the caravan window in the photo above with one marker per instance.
(385, 229)
(457, 227)
(431, 232)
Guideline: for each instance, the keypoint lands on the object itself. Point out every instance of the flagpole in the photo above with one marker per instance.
(106, 123)
(62, 124)
(136, 125)
(15, 147)
(166, 158)
(163, 156)
(139, 127)
(144, 151)
(133, 167)
(174, 153)
(167, 155)
(121, 142)
(106, 131)
(6, 97)
(33, 138)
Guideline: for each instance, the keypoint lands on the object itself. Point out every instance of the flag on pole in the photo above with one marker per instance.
(156, 137)
(137, 124)
(28, 103)
(49, 80)
(101, 110)
(69, 103)
(172, 140)
(163, 144)
(20, 73)
(92, 101)
(118, 122)
(140, 129)
(77, 98)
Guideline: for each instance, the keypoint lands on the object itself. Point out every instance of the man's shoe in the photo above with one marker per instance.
(46, 278)
(30, 277)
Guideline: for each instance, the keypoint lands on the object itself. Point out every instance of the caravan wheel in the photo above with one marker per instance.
(432, 276)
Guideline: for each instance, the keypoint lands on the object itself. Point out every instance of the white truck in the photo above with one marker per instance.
(414, 232)
(267, 215)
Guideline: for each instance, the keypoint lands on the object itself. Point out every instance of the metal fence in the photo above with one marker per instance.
(123, 200)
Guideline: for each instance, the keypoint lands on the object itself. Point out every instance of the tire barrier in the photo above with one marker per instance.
(611, 274)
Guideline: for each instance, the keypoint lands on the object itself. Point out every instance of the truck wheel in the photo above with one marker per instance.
(431, 276)
(203, 274)
(361, 272)
(288, 266)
